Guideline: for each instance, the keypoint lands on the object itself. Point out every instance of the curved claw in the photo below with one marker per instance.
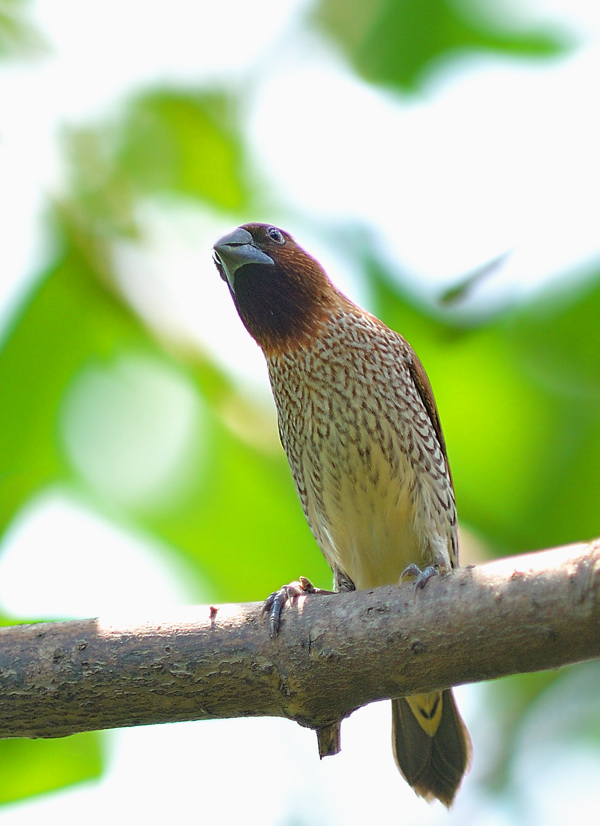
(273, 605)
(275, 602)
(421, 577)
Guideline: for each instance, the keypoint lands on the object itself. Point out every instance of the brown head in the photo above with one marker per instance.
(281, 293)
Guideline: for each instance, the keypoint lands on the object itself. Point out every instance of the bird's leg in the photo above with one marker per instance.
(421, 577)
(275, 602)
(328, 737)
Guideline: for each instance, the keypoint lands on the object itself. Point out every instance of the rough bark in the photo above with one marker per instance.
(333, 653)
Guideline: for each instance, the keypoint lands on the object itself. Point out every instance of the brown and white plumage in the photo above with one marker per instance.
(360, 428)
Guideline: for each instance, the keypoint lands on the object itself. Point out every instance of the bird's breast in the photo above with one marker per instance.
(368, 468)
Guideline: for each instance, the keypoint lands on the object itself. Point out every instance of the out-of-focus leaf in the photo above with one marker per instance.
(7, 620)
(175, 143)
(18, 38)
(186, 144)
(555, 338)
(461, 290)
(66, 321)
(29, 767)
(398, 42)
(555, 342)
(101, 202)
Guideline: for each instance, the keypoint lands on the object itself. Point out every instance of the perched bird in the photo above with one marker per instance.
(361, 431)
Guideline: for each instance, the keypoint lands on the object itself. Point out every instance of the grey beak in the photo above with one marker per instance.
(236, 249)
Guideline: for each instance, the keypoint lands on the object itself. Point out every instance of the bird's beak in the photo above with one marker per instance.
(236, 249)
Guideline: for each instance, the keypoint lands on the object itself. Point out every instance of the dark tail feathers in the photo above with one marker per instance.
(434, 765)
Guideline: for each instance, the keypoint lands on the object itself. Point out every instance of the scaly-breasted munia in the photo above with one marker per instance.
(361, 431)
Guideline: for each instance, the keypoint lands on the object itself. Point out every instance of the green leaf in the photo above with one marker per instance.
(184, 143)
(399, 42)
(555, 341)
(69, 319)
(555, 338)
(163, 143)
(29, 767)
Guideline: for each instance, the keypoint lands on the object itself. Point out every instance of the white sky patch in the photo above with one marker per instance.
(172, 282)
(61, 560)
(105, 48)
(498, 157)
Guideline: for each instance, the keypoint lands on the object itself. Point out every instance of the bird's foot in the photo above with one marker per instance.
(420, 577)
(275, 602)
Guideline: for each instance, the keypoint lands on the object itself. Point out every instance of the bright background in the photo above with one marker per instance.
(441, 159)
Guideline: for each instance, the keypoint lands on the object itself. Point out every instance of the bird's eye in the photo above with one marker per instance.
(276, 235)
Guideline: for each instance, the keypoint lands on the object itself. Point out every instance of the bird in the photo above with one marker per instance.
(359, 424)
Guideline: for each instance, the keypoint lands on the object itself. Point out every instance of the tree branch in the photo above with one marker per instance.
(333, 653)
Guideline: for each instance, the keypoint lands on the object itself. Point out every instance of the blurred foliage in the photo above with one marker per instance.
(34, 766)
(518, 393)
(400, 42)
(18, 38)
(184, 144)
(166, 142)
(69, 319)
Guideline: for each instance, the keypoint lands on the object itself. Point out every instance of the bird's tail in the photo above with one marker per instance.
(431, 744)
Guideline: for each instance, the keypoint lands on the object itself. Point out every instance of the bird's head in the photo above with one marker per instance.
(281, 293)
